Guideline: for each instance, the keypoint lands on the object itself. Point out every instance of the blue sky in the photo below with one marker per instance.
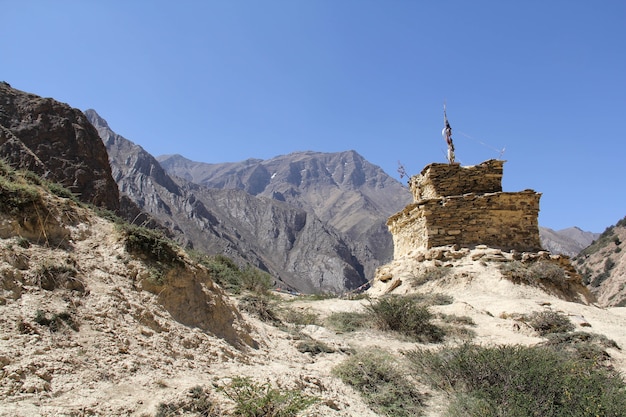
(223, 81)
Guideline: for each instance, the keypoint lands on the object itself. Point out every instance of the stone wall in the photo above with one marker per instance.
(465, 206)
(442, 180)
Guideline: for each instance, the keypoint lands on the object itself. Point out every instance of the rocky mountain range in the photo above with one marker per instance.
(315, 221)
(342, 189)
(300, 250)
(568, 241)
(94, 324)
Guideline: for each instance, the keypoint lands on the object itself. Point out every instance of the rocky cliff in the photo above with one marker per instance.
(295, 246)
(57, 142)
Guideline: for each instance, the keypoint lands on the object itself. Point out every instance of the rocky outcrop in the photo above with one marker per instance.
(299, 250)
(57, 142)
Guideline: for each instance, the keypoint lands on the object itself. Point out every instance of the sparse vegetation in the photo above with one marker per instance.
(151, 244)
(16, 195)
(198, 403)
(56, 321)
(382, 382)
(50, 275)
(548, 322)
(299, 317)
(520, 381)
(253, 399)
(542, 274)
(603, 240)
(348, 321)
(429, 274)
(260, 306)
(407, 316)
(234, 279)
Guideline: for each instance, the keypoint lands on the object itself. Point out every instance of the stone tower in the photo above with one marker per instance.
(465, 205)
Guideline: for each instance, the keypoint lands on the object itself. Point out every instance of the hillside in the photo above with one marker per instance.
(603, 266)
(89, 328)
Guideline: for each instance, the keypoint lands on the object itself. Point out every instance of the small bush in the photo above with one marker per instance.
(382, 383)
(50, 276)
(262, 400)
(229, 276)
(429, 274)
(542, 274)
(152, 244)
(547, 322)
(198, 402)
(520, 381)
(589, 346)
(406, 316)
(299, 317)
(255, 280)
(55, 322)
(314, 347)
(15, 196)
(60, 191)
(348, 321)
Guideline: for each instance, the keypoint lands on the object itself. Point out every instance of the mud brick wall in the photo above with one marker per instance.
(442, 180)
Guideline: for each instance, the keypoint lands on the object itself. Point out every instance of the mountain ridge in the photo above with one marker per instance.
(296, 247)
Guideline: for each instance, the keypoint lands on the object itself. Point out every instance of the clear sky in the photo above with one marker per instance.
(223, 81)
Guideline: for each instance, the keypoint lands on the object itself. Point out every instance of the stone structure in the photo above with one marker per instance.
(456, 205)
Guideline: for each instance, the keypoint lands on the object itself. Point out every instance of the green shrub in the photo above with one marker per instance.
(151, 243)
(547, 322)
(542, 274)
(60, 191)
(16, 196)
(520, 381)
(348, 321)
(406, 316)
(382, 383)
(233, 279)
(583, 345)
(255, 280)
(299, 317)
(262, 400)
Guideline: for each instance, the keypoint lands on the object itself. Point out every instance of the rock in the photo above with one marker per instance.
(58, 143)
